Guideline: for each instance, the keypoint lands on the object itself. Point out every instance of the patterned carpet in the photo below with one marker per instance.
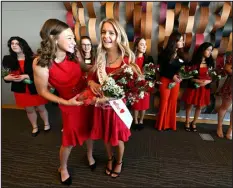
(152, 158)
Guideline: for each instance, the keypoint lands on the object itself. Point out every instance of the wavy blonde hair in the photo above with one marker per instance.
(121, 40)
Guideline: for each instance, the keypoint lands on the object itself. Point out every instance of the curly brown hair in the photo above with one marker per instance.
(49, 33)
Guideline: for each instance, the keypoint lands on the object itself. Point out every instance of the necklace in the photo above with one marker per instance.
(111, 62)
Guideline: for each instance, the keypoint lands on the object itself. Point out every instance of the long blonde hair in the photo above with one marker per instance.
(122, 42)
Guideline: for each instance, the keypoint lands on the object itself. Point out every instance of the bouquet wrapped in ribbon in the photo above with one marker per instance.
(126, 82)
(185, 72)
(16, 73)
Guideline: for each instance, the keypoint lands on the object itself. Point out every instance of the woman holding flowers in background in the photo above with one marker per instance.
(226, 93)
(170, 62)
(57, 66)
(202, 61)
(87, 54)
(19, 64)
(140, 107)
(113, 52)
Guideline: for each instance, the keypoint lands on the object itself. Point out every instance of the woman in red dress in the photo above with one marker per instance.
(202, 60)
(56, 65)
(86, 50)
(113, 51)
(140, 107)
(170, 62)
(19, 62)
(226, 93)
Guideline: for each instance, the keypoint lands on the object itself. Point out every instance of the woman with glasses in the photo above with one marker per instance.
(87, 53)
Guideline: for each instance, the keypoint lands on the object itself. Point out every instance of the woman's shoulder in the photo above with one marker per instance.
(8, 58)
(9, 61)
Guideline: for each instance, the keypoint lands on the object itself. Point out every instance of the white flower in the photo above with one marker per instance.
(151, 84)
(128, 70)
(123, 81)
(140, 78)
(214, 73)
(141, 95)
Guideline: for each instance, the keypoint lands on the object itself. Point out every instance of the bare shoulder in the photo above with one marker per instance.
(38, 70)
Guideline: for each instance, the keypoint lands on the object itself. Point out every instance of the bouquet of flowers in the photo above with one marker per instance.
(110, 91)
(149, 70)
(134, 84)
(184, 73)
(7, 71)
(122, 83)
(212, 74)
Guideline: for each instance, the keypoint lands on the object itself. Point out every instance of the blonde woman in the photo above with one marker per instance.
(113, 51)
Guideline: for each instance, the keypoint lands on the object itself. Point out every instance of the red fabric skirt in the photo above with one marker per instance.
(27, 100)
(142, 104)
(75, 128)
(199, 96)
(109, 127)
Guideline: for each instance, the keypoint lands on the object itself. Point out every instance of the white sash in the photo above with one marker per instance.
(122, 111)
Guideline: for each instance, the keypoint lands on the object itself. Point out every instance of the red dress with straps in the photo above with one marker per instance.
(107, 124)
(26, 99)
(199, 96)
(142, 104)
(66, 77)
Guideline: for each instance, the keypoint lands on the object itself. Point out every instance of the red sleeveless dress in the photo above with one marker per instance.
(199, 96)
(142, 104)
(107, 125)
(26, 99)
(66, 77)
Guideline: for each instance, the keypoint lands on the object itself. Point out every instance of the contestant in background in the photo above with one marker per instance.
(199, 97)
(170, 61)
(19, 64)
(87, 53)
(139, 108)
(226, 93)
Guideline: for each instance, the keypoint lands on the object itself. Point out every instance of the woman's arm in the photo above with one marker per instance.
(41, 76)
